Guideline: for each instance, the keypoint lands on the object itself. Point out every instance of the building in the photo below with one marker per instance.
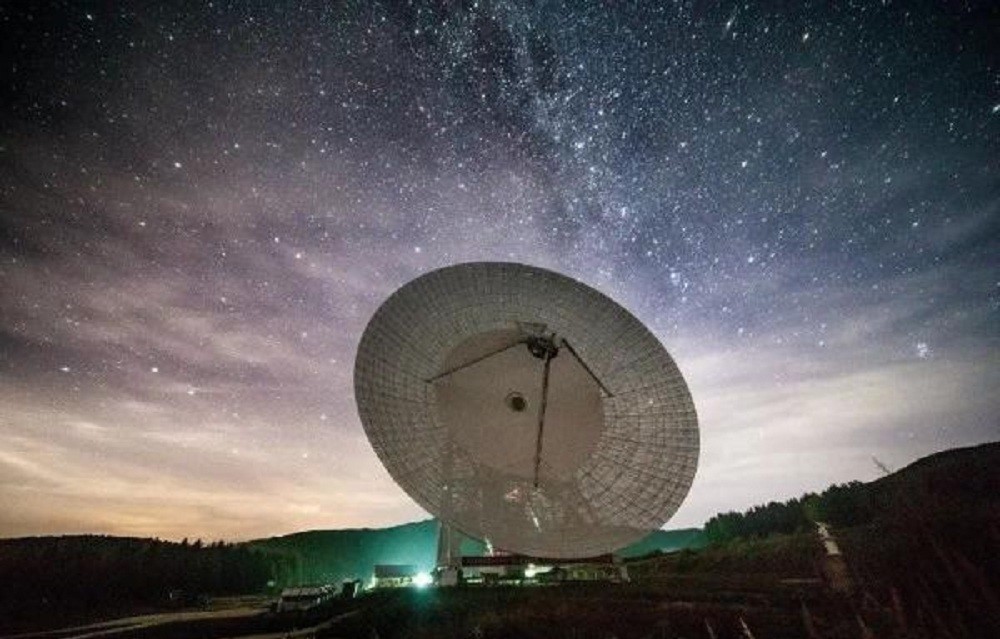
(394, 575)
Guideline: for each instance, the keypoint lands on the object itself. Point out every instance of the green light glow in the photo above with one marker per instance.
(422, 580)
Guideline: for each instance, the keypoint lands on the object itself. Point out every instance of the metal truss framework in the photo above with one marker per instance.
(452, 381)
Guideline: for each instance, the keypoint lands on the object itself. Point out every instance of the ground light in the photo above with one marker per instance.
(533, 571)
(422, 580)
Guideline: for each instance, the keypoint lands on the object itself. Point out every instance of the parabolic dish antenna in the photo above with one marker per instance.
(525, 408)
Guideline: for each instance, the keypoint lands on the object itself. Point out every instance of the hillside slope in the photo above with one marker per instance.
(919, 548)
(967, 475)
(956, 481)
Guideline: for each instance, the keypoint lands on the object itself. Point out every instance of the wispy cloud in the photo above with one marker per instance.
(190, 247)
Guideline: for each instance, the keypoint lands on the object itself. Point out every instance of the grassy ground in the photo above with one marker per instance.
(768, 588)
(779, 556)
(908, 579)
(582, 611)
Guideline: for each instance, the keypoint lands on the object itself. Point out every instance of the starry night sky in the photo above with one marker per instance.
(201, 205)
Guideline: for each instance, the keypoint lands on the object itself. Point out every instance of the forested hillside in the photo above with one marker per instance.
(91, 575)
(77, 576)
(960, 481)
(330, 556)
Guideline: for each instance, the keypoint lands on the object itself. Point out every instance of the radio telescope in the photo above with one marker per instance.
(525, 408)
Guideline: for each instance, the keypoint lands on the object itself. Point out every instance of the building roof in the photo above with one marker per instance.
(390, 571)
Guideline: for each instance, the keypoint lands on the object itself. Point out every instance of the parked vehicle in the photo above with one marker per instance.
(302, 598)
